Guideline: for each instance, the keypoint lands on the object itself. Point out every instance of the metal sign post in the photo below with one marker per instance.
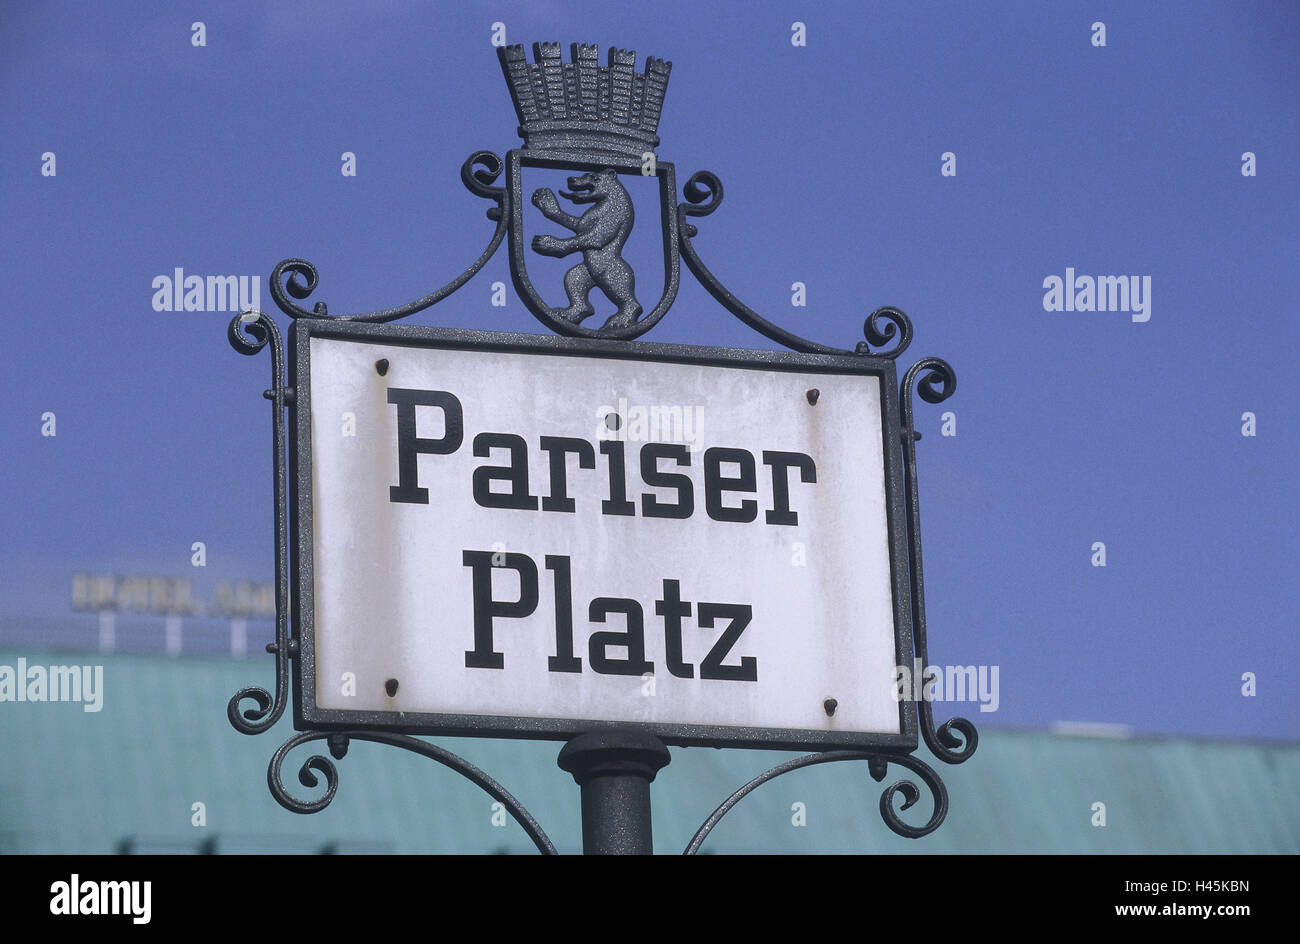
(614, 769)
(670, 545)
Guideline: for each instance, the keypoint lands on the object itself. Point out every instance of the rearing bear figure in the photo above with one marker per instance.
(599, 234)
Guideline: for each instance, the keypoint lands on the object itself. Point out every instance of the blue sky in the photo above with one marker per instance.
(1072, 427)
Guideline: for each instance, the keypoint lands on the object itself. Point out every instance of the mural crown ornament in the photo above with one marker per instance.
(565, 106)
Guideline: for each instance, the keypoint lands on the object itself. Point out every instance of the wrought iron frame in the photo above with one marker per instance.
(309, 715)
(887, 334)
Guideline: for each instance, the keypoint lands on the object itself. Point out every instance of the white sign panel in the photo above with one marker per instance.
(538, 534)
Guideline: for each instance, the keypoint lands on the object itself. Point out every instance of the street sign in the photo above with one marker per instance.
(537, 536)
(586, 537)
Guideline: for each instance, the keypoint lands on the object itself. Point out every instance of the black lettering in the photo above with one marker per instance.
(564, 660)
(633, 638)
(715, 483)
(557, 448)
(410, 446)
(781, 462)
(672, 609)
(515, 474)
(617, 503)
(652, 507)
(711, 666)
(486, 609)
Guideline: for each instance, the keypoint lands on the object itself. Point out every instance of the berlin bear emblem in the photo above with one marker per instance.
(599, 125)
(599, 234)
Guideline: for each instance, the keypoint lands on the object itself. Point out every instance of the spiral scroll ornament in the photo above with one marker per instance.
(248, 333)
(338, 747)
(298, 278)
(703, 192)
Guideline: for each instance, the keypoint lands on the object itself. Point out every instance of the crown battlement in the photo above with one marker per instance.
(581, 105)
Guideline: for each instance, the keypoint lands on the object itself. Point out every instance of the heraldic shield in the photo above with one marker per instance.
(598, 124)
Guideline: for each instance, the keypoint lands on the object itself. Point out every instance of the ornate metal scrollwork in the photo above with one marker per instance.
(478, 173)
(937, 382)
(269, 709)
(338, 746)
(876, 766)
(249, 332)
(703, 192)
(605, 122)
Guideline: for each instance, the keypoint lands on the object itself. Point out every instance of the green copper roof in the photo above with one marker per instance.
(90, 782)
